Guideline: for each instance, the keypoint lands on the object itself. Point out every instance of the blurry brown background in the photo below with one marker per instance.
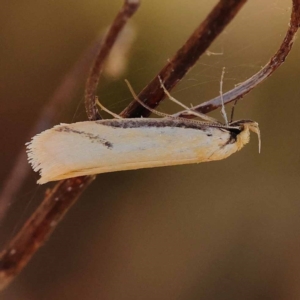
(220, 230)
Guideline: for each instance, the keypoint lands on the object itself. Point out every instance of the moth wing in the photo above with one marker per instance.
(85, 148)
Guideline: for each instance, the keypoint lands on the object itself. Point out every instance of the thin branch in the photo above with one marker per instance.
(245, 87)
(128, 9)
(39, 227)
(63, 95)
(185, 57)
(60, 199)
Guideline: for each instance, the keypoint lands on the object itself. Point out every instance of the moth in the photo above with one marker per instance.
(94, 147)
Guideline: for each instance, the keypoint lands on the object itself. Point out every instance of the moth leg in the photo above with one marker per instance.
(223, 111)
(107, 110)
(189, 110)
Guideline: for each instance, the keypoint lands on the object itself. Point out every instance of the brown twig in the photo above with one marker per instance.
(59, 200)
(48, 117)
(245, 87)
(128, 9)
(185, 57)
(39, 227)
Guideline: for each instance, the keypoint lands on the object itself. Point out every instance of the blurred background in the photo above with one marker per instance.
(219, 230)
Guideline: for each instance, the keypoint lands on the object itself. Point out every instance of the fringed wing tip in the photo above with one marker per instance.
(33, 157)
(39, 158)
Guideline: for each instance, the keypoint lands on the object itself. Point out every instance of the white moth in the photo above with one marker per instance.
(93, 147)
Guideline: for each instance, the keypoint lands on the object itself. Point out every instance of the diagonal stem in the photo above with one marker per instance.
(128, 9)
(275, 62)
(185, 57)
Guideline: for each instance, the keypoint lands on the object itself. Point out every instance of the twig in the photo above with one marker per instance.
(59, 200)
(48, 117)
(245, 87)
(128, 9)
(39, 227)
(185, 57)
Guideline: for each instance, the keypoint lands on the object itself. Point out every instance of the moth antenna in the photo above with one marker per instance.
(190, 111)
(161, 114)
(135, 97)
(107, 110)
(223, 111)
(170, 96)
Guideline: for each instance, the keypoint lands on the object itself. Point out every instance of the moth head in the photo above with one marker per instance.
(249, 125)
